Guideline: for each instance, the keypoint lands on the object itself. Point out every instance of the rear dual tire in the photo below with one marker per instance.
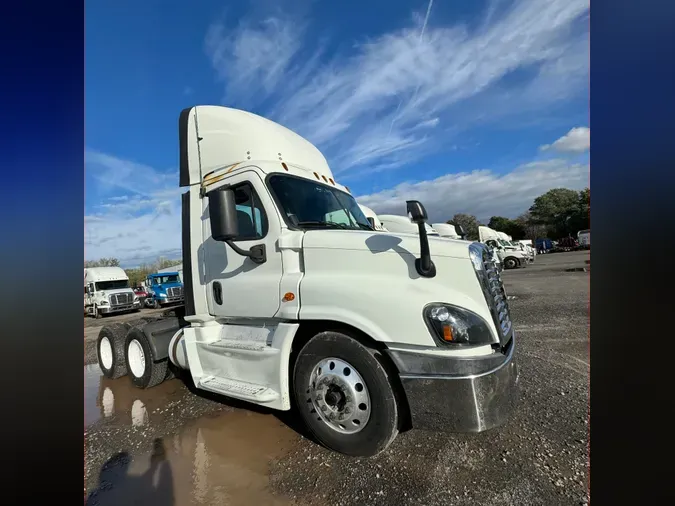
(144, 370)
(365, 415)
(110, 350)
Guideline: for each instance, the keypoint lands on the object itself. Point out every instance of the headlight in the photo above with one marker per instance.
(455, 325)
(103, 303)
(162, 295)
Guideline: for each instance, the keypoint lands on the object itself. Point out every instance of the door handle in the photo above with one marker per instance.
(218, 293)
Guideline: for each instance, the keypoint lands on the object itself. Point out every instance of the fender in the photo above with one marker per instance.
(159, 334)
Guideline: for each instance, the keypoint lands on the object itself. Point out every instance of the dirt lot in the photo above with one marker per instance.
(168, 445)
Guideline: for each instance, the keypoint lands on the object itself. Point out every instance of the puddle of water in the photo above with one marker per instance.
(220, 460)
(106, 398)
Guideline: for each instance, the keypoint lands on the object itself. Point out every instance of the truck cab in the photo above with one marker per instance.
(293, 299)
(107, 291)
(164, 289)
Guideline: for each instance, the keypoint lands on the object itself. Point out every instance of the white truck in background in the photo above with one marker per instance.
(529, 247)
(584, 238)
(366, 332)
(372, 218)
(507, 242)
(403, 225)
(107, 291)
(511, 257)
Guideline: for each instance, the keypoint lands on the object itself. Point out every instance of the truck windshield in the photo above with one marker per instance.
(307, 204)
(160, 280)
(112, 285)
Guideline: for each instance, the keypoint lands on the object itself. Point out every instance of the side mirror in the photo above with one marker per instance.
(416, 211)
(225, 227)
(418, 215)
(223, 215)
(460, 230)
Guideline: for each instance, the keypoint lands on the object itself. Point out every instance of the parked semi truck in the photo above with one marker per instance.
(366, 333)
(164, 289)
(584, 237)
(372, 218)
(403, 225)
(511, 257)
(107, 291)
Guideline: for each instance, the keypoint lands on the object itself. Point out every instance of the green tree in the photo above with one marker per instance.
(531, 229)
(102, 262)
(562, 211)
(138, 274)
(510, 227)
(467, 221)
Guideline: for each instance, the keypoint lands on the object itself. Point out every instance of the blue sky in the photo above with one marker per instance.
(475, 106)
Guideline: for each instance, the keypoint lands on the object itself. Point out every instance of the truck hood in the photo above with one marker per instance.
(118, 290)
(380, 242)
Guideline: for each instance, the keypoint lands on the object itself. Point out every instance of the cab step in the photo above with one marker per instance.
(237, 344)
(238, 389)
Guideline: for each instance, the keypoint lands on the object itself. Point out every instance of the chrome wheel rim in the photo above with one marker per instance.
(339, 396)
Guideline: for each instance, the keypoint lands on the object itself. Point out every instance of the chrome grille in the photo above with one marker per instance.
(175, 291)
(121, 299)
(496, 297)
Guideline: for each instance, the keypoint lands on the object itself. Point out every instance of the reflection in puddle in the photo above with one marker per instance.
(223, 459)
(106, 398)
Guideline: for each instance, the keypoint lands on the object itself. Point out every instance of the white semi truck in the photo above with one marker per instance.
(403, 225)
(509, 245)
(107, 291)
(373, 218)
(510, 256)
(366, 333)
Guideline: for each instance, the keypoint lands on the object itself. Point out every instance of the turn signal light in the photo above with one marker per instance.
(447, 333)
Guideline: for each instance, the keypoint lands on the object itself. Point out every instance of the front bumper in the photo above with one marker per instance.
(119, 309)
(467, 394)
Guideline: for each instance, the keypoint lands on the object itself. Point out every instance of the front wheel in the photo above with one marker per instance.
(144, 371)
(345, 396)
(510, 263)
(155, 304)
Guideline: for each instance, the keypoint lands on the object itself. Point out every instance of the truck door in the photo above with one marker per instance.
(235, 285)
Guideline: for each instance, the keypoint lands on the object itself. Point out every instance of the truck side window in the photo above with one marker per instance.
(250, 213)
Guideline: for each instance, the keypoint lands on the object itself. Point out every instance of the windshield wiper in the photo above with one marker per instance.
(330, 224)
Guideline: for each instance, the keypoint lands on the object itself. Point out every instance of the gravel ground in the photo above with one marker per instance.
(254, 456)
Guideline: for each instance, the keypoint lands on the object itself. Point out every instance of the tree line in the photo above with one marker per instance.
(558, 213)
(138, 274)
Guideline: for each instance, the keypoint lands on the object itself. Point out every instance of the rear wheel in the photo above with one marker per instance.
(345, 396)
(144, 371)
(110, 350)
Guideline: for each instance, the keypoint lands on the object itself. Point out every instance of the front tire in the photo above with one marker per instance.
(110, 350)
(510, 263)
(345, 396)
(144, 371)
(156, 304)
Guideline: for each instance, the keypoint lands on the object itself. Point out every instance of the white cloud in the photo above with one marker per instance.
(577, 140)
(142, 227)
(482, 193)
(139, 225)
(366, 108)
